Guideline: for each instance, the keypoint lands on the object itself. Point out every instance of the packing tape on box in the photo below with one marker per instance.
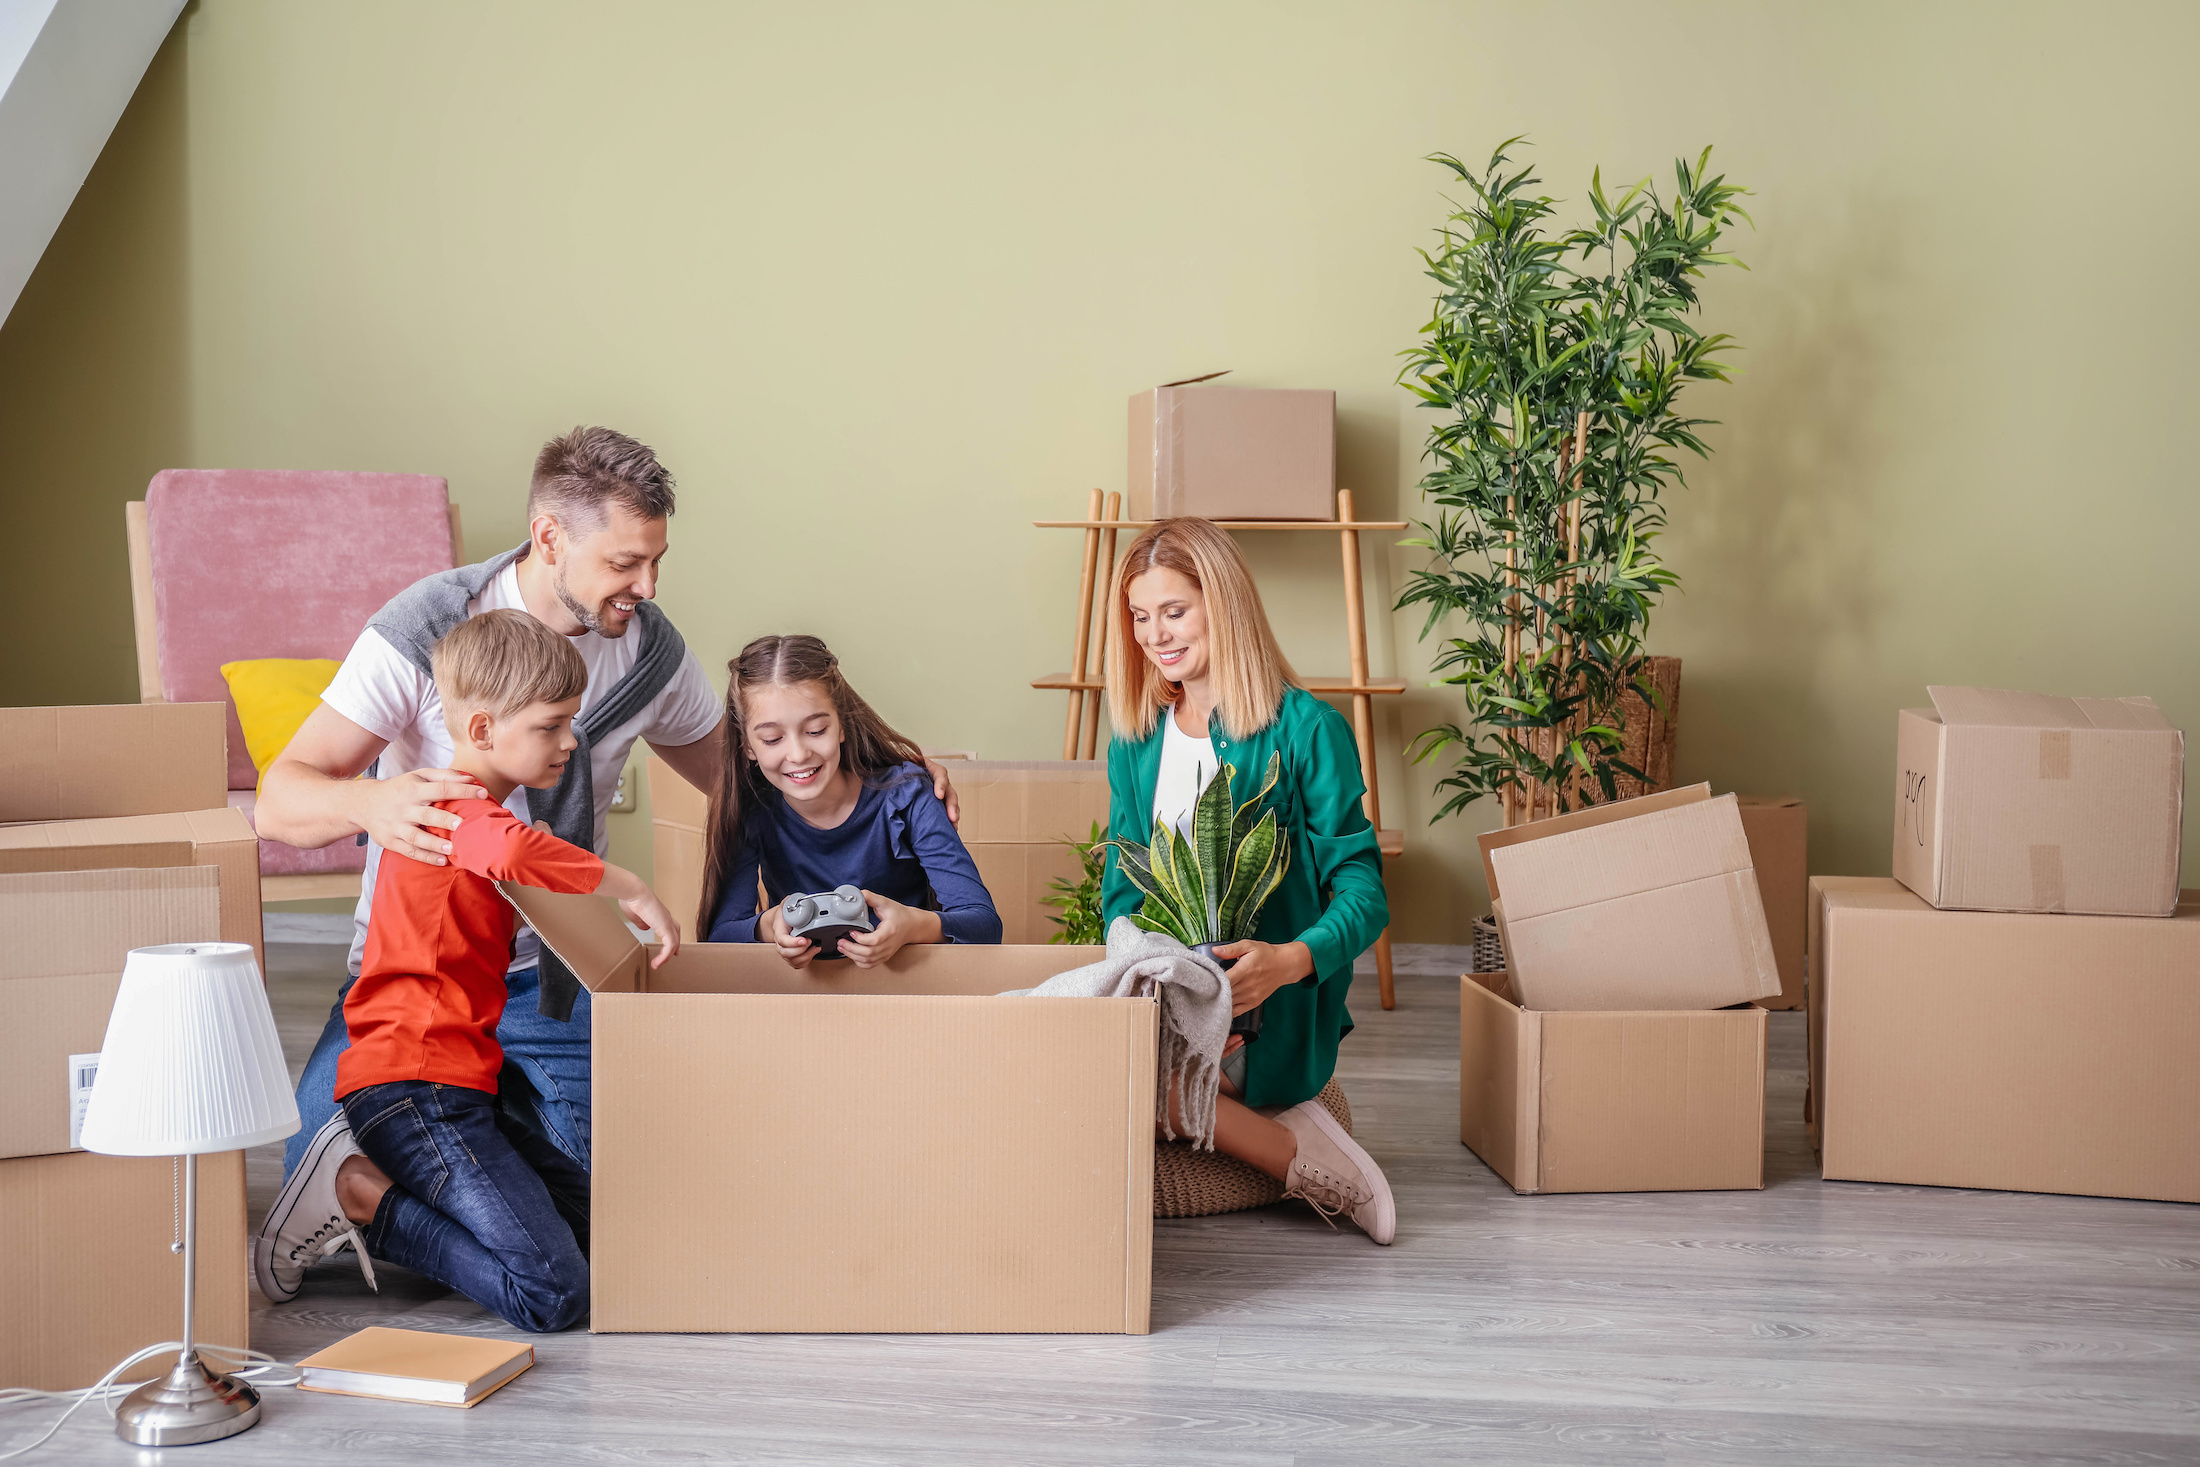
(2047, 878)
(2054, 753)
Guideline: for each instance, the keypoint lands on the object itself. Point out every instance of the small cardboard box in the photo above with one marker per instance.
(119, 759)
(1778, 827)
(221, 838)
(63, 938)
(1233, 453)
(937, 1158)
(1014, 817)
(1642, 904)
(2019, 802)
(2023, 1052)
(86, 1278)
(1664, 1101)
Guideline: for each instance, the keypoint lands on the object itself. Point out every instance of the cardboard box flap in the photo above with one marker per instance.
(120, 759)
(2005, 708)
(1494, 840)
(56, 924)
(183, 829)
(1656, 849)
(587, 933)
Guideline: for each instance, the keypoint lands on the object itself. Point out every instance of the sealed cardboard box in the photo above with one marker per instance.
(1015, 814)
(1643, 904)
(1779, 851)
(219, 838)
(86, 1278)
(120, 759)
(1233, 453)
(1664, 1101)
(2024, 1052)
(63, 938)
(941, 1159)
(2019, 802)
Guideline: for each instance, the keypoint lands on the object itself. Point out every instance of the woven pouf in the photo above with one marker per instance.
(1192, 1183)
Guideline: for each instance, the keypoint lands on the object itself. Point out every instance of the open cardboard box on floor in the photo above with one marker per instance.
(2020, 802)
(86, 1277)
(2024, 1052)
(1649, 903)
(1015, 816)
(1664, 1101)
(896, 1150)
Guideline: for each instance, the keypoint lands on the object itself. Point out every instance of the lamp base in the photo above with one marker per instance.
(191, 1403)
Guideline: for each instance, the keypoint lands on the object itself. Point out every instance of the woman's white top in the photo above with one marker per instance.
(1186, 766)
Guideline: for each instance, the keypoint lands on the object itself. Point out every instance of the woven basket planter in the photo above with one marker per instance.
(1489, 948)
(1192, 1183)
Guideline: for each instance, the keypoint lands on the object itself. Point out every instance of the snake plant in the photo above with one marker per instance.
(1210, 887)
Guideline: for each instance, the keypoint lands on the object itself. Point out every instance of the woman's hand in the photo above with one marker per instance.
(896, 926)
(1262, 968)
(772, 927)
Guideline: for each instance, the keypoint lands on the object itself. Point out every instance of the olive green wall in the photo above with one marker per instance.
(876, 279)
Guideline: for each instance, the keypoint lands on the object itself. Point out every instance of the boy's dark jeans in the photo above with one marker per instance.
(484, 1205)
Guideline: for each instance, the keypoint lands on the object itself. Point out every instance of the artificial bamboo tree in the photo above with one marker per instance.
(1557, 360)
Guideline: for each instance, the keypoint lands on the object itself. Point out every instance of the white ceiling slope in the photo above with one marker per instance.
(67, 69)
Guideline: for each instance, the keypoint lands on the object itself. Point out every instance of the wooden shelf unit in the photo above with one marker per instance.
(1086, 681)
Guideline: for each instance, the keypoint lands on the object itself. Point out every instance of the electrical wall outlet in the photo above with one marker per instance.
(622, 798)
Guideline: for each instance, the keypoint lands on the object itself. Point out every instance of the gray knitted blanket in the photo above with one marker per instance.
(1195, 1016)
(421, 613)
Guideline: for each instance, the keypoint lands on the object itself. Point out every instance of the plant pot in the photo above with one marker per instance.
(1247, 1023)
(1489, 948)
(1652, 738)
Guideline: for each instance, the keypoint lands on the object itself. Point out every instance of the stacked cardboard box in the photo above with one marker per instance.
(1624, 1050)
(858, 1092)
(1232, 453)
(1015, 816)
(131, 846)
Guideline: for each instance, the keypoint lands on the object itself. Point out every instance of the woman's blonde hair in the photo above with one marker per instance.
(1246, 665)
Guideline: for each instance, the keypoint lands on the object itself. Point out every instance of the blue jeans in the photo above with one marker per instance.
(481, 1205)
(545, 1085)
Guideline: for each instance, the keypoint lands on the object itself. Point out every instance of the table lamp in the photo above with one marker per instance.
(191, 1064)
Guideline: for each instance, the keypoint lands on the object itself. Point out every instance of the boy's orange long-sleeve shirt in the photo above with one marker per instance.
(439, 938)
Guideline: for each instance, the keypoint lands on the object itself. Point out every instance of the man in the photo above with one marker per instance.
(597, 507)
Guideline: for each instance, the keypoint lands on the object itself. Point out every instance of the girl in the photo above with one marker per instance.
(1195, 680)
(818, 792)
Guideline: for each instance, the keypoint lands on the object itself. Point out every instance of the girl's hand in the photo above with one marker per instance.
(773, 929)
(1262, 968)
(896, 927)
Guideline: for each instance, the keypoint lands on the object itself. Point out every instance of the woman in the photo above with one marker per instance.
(1195, 681)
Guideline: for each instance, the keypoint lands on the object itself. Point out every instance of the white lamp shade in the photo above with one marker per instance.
(191, 1063)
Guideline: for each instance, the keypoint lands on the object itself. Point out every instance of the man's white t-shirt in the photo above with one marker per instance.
(1186, 766)
(390, 698)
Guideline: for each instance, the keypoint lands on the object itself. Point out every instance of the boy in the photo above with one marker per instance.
(455, 1191)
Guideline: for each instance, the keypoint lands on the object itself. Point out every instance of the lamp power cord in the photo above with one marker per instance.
(251, 1365)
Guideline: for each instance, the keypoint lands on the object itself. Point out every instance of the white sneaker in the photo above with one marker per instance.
(305, 1225)
(1333, 1174)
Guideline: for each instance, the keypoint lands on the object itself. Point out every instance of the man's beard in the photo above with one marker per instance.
(590, 617)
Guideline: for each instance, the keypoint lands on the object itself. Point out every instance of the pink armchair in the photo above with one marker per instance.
(230, 564)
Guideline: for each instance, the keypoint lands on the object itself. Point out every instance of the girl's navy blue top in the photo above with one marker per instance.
(897, 842)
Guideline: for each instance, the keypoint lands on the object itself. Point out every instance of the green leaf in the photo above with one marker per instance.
(1248, 868)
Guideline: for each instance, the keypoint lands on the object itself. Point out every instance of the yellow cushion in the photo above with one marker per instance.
(274, 695)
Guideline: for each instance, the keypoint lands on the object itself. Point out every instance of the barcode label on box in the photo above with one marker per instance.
(83, 1070)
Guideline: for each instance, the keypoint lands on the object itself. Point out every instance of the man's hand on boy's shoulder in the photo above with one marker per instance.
(401, 814)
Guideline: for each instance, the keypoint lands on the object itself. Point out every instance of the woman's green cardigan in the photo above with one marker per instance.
(1331, 898)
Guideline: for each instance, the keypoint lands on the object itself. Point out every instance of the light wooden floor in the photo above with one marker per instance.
(1811, 1322)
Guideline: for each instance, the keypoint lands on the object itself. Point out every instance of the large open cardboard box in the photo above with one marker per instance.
(834, 1150)
(2025, 1052)
(1648, 903)
(2019, 802)
(1663, 1101)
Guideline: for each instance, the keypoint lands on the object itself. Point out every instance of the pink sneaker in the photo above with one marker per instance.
(1333, 1174)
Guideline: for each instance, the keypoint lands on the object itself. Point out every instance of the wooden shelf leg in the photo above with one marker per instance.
(1384, 984)
(1103, 613)
(1084, 634)
(1363, 709)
